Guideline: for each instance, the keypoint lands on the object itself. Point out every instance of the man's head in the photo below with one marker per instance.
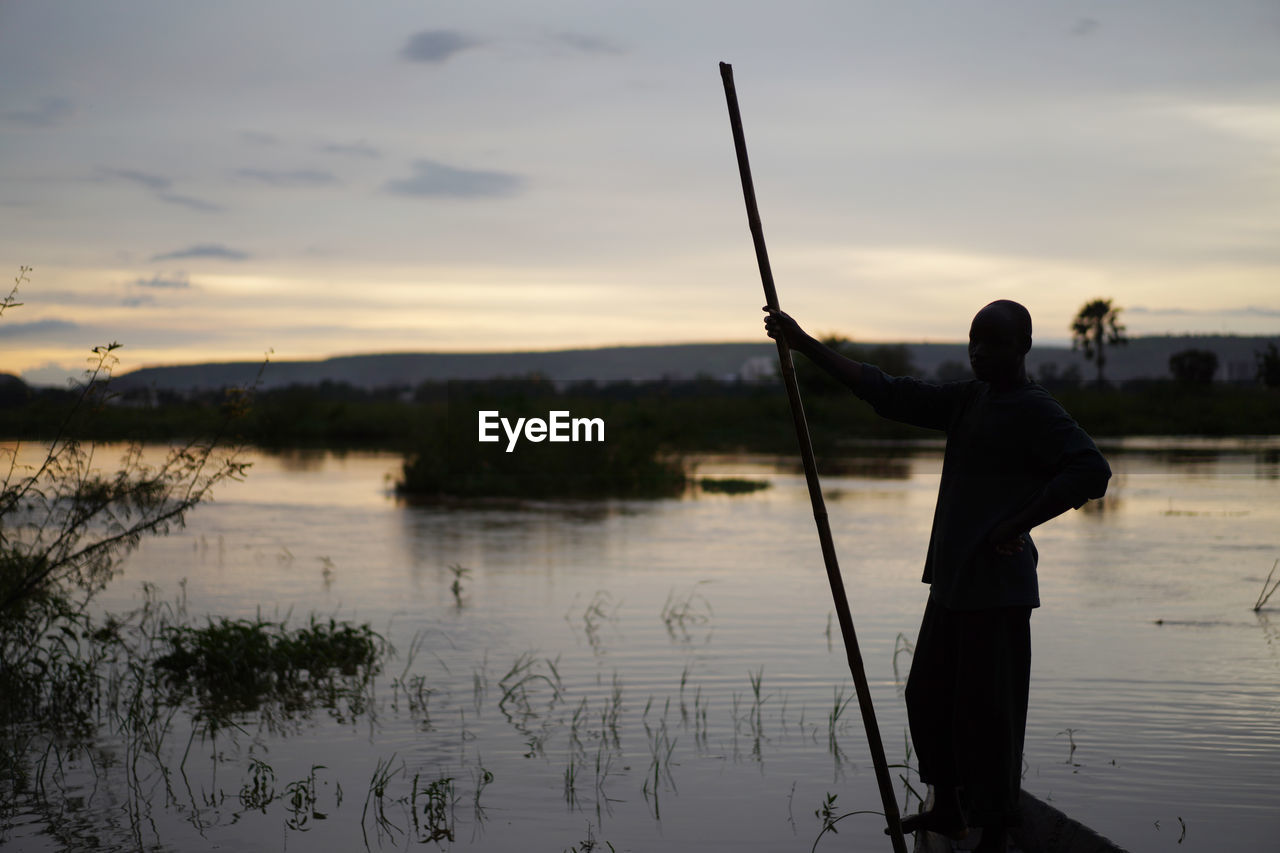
(999, 339)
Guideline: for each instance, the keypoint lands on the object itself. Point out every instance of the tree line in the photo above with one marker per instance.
(1097, 328)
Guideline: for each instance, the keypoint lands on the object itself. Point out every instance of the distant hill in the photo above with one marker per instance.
(1142, 358)
(607, 364)
(1146, 357)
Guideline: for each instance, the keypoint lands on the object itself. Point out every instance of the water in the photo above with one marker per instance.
(1155, 713)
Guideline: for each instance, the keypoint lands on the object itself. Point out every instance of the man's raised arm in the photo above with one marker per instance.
(780, 326)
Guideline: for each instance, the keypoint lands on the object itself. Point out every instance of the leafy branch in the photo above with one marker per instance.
(65, 525)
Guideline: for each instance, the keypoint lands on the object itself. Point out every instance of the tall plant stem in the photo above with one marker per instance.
(811, 478)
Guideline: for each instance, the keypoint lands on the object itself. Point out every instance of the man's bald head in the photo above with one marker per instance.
(999, 340)
(1013, 316)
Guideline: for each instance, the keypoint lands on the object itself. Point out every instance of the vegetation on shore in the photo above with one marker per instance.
(645, 426)
(71, 682)
(692, 416)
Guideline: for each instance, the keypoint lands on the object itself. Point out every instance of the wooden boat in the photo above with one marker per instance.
(1044, 830)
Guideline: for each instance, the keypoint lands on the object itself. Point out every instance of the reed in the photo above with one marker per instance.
(376, 797)
(604, 763)
(901, 646)
(300, 798)
(756, 714)
(259, 790)
(1071, 740)
(613, 712)
(600, 610)
(1268, 589)
(433, 820)
(458, 572)
(679, 614)
(520, 685)
(589, 844)
(658, 776)
(827, 813)
(481, 778)
(908, 789)
(700, 725)
(684, 707)
(571, 781)
(839, 704)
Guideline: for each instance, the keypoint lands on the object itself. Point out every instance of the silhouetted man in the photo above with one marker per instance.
(1014, 459)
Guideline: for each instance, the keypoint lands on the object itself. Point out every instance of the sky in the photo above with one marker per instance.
(213, 181)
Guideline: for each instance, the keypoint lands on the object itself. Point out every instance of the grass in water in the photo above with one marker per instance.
(839, 705)
(680, 614)
(1268, 588)
(433, 818)
(588, 844)
(459, 572)
(415, 802)
(732, 485)
(237, 665)
(827, 814)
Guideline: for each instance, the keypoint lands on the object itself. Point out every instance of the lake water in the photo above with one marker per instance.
(676, 663)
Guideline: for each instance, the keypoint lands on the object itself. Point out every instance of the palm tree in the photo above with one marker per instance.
(1096, 327)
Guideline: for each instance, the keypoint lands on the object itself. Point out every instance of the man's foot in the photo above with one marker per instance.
(948, 824)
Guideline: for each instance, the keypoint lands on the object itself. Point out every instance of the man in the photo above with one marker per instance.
(1014, 459)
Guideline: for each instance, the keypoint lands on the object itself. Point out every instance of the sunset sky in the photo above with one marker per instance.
(207, 181)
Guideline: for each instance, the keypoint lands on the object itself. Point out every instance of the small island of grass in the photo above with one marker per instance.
(732, 485)
(617, 472)
(459, 457)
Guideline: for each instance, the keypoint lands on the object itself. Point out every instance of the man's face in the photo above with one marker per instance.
(996, 346)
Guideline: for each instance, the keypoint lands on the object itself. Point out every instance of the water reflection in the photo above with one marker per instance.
(886, 466)
(1268, 464)
(1109, 504)
(511, 536)
(303, 459)
(1204, 457)
(508, 510)
(1271, 632)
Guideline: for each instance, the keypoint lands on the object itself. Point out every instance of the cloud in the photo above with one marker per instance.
(354, 149)
(152, 182)
(189, 202)
(436, 46)
(432, 179)
(203, 250)
(584, 43)
(257, 137)
(136, 301)
(1085, 27)
(159, 186)
(51, 373)
(288, 177)
(179, 281)
(1241, 311)
(47, 112)
(37, 329)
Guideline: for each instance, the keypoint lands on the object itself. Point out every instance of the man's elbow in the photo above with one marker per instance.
(1095, 484)
(1085, 479)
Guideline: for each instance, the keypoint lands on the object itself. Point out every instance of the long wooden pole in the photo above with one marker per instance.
(811, 477)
